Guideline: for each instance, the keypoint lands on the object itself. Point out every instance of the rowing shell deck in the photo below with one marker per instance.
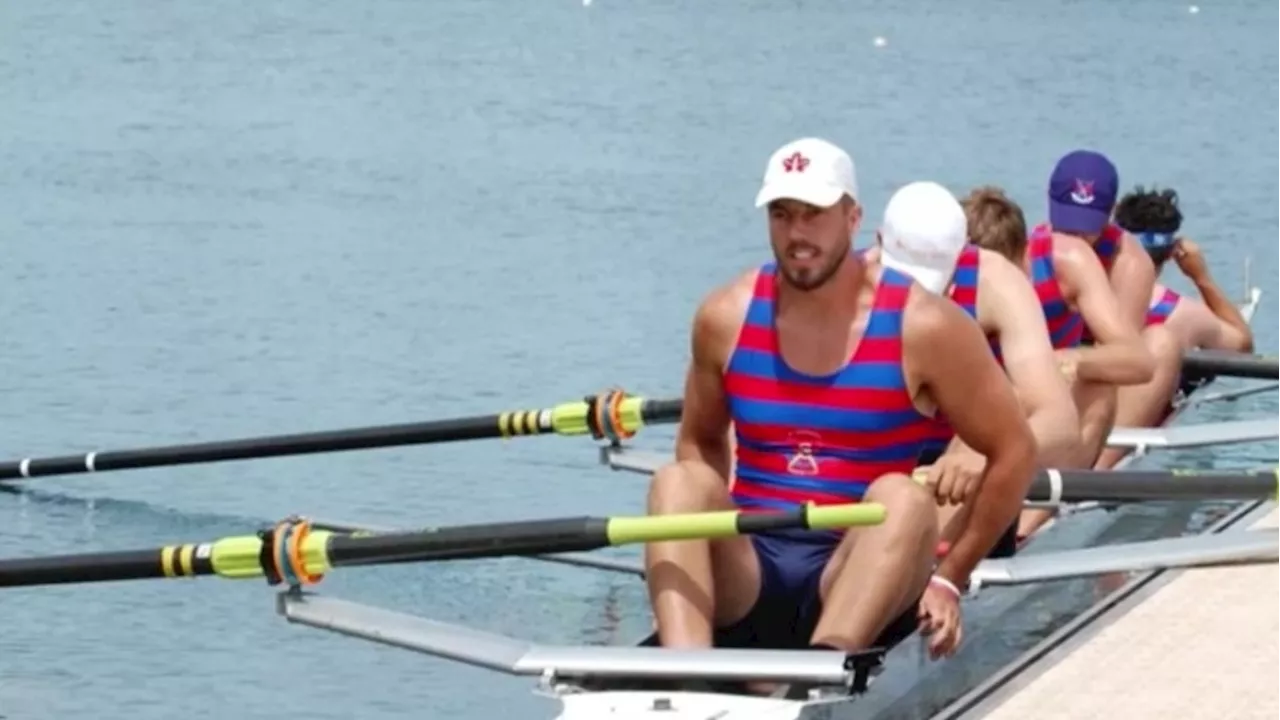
(1198, 644)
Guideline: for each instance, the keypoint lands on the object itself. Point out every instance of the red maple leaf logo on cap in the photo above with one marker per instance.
(795, 163)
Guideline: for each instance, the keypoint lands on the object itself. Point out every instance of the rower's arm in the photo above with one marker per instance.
(1118, 355)
(704, 422)
(1225, 328)
(1006, 295)
(948, 357)
(1132, 279)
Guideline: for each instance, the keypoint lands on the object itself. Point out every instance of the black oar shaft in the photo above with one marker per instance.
(471, 541)
(383, 436)
(528, 422)
(62, 569)
(1230, 364)
(294, 553)
(1142, 486)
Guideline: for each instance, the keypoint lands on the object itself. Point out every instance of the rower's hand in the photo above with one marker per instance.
(940, 620)
(1189, 258)
(1068, 364)
(955, 477)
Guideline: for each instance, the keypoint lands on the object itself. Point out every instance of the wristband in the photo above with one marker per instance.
(947, 584)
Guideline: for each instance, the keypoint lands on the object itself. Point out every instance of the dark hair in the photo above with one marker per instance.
(1151, 214)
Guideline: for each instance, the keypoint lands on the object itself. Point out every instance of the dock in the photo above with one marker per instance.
(1193, 644)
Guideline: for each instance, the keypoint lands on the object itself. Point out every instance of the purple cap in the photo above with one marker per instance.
(1082, 191)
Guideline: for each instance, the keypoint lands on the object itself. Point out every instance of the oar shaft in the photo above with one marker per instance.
(60, 569)
(1142, 486)
(1231, 364)
(318, 551)
(573, 418)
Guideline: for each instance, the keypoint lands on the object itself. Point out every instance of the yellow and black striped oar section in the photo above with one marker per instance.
(612, 415)
(294, 554)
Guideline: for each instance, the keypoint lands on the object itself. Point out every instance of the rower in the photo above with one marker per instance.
(1083, 190)
(1153, 218)
(1074, 295)
(830, 371)
(925, 236)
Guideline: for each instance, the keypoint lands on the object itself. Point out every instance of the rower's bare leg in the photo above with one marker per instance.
(695, 585)
(1096, 403)
(1145, 405)
(952, 520)
(877, 573)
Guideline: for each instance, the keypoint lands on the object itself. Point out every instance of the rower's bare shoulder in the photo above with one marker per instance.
(1069, 251)
(720, 314)
(996, 268)
(926, 317)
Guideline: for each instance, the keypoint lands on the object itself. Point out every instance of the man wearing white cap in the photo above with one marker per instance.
(829, 371)
(924, 234)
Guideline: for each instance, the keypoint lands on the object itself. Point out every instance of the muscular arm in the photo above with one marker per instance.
(704, 423)
(1132, 277)
(1007, 297)
(947, 357)
(1118, 355)
(1223, 327)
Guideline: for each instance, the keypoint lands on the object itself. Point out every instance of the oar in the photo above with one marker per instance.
(1231, 364)
(294, 553)
(1216, 550)
(1054, 486)
(610, 415)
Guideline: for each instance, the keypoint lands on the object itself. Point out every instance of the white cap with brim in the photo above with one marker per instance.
(810, 170)
(923, 233)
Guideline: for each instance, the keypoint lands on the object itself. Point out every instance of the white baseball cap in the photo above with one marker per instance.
(809, 170)
(923, 233)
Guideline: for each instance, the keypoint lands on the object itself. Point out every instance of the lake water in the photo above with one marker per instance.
(237, 218)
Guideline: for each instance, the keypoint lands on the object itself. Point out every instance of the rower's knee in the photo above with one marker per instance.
(1165, 348)
(908, 504)
(687, 486)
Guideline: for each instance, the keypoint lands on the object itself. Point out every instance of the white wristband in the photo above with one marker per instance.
(945, 583)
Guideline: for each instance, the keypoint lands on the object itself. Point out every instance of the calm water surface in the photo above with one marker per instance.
(224, 219)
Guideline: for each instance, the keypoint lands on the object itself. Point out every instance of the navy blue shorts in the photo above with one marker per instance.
(789, 605)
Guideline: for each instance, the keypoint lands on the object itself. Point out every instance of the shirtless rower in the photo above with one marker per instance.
(925, 236)
(1215, 323)
(1073, 294)
(1083, 191)
(829, 372)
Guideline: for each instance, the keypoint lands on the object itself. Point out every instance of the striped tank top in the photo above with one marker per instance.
(1108, 245)
(1162, 308)
(821, 439)
(1066, 327)
(963, 292)
(1106, 248)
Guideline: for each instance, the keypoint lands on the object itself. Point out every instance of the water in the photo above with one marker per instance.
(224, 219)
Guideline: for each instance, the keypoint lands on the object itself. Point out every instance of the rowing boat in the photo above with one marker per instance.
(632, 682)
(639, 681)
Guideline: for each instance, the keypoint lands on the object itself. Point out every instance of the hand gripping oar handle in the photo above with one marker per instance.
(611, 415)
(1056, 485)
(295, 554)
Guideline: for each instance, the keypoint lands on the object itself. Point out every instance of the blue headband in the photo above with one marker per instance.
(1155, 240)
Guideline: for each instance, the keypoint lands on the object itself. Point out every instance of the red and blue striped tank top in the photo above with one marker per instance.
(1066, 327)
(1108, 245)
(963, 292)
(821, 439)
(1106, 248)
(1161, 309)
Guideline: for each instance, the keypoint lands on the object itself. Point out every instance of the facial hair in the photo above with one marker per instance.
(808, 280)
